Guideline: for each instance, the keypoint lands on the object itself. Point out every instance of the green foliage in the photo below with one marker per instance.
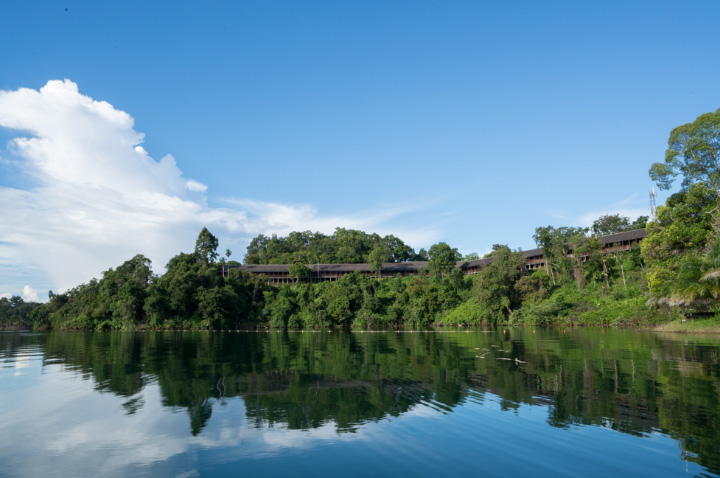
(693, 153)
(615, 223)
(568, 305)
(206, 247)
(280, 306)
(379, 254)
(610, 224)
(344, 246)
(495, 287)
(680, 232)
(192, 293)
(556, 243)
(698, 279)
(467, 313)
(534, 287)
(299, 271)
(442, 259)
(15, 313)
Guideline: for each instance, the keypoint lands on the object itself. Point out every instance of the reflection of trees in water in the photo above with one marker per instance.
(632, 382)
(302, 403)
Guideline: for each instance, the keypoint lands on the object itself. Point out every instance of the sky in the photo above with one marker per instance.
(127, 127)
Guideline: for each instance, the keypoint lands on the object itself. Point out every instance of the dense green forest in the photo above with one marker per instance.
(674, 273)
(345, 246)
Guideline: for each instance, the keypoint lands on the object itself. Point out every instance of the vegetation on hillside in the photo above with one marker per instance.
(674, 273)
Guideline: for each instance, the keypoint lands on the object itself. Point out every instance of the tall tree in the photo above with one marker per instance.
(693, 152)
(206, 247)
(442, 259)
(399, 250)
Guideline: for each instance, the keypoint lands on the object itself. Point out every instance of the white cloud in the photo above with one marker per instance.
(195, 186)
(285, 218)
(30, 294)
(100, 198)
(6, 295)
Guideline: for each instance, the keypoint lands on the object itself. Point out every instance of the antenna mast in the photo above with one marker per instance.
(653, 207)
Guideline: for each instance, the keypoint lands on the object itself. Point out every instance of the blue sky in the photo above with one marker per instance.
(465, 122)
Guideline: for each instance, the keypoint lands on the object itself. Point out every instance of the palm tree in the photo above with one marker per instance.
(698, 278)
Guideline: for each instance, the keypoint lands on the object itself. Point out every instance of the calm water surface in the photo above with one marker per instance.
(580, 403)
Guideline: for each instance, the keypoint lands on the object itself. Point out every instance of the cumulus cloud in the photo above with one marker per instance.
(99, 198)
(30, 294)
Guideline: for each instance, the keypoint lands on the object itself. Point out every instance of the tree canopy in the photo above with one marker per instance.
(615, 223)
(678, 262)
(344, 246)
(206, 246)
(442, 259)
(693, 153)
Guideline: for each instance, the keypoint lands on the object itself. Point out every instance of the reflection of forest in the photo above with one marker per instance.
(632, 382)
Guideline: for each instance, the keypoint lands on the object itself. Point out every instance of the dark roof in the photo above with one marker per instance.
(388, 267)
(410, 267)
(624, 236)
(476, 263)
(263, 268)
(533, 252)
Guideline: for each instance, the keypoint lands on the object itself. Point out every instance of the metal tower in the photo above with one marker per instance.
(653, 207)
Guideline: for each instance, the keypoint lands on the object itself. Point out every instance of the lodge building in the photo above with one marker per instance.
(534, 259)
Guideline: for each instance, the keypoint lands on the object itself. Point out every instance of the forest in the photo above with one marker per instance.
(673, 275)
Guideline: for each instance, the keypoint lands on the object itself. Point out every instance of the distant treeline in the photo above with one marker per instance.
(675, 271)
(344, 246)
(199, 291)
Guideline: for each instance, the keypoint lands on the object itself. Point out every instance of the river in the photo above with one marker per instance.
(498, 402)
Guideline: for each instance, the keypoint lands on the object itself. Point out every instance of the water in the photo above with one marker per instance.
(574, 403)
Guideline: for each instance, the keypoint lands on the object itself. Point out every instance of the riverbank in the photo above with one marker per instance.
(691, 326)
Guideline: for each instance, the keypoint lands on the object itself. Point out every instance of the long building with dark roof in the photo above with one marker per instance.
(534, 259)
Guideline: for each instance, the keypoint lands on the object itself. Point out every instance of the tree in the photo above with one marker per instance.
(400, 252)
(639, 223)
(257, 250)
(206, 247)
(378, 255)
(495, 286)
(698, 279)
(693, 153)
(224, 261)
(299, 271)
(615, 223)
(555, 243)
(345, 246)
(610, 224)
(442, 259)
(682, 228)
(422, 255)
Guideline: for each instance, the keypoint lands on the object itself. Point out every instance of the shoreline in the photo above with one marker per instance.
(692, 326)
